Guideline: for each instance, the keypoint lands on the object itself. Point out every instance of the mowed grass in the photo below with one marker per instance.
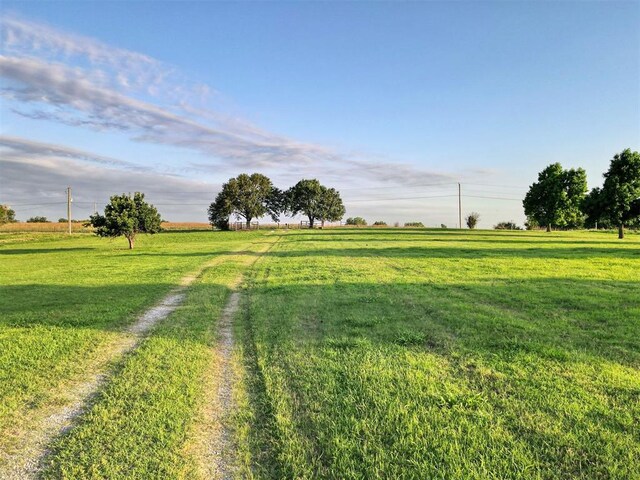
(441, 354)
(143, 422)
(65, 300)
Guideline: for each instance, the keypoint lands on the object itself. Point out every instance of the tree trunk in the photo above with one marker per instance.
(549, 228)
(621, 231)
(248, 223)
(311, 219)
(131, 239)
(322, 224)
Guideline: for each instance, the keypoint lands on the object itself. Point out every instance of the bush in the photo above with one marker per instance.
(442, 225)
(414, 224)
(356, 221)
(472, 220)
(38, 219)
(507, 226)
(380, 223)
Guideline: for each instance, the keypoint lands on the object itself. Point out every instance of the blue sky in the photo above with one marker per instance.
(381, 100)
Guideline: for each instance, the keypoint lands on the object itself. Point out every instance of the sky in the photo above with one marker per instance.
(392, 103)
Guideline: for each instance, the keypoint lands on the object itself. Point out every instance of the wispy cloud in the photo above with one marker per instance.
(57, 76)
(22, 149)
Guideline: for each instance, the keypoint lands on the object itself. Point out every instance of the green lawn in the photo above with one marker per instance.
(64, 301)
(368, 353)
(442, 354)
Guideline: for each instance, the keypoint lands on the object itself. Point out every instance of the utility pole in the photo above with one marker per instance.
(459, 207)
(69, 208)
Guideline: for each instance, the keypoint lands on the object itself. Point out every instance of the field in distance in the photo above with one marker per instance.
(364, 353)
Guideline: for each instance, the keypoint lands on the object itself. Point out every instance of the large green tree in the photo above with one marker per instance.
(7, 214)
(315, 201)
(247, 197)
(126, 215)
(555, 200)
(620, 194)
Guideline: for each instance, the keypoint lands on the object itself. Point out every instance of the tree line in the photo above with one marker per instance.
(559, 198)
(254, 196)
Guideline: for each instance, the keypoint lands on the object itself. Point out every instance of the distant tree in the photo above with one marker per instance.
(315, 201)
(442, 225)
(555, 200)
(38, 219)
(472, 220)
(219, 212)
(414, 224)
(620, 194)
(594, 209)
(331, 206)
(379, 223)
(510, 225)
(126, 215)
(357, 221)
(7, 215)
(246, 196)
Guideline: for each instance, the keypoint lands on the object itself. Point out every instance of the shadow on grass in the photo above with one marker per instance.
(28, 251)
(547, 317)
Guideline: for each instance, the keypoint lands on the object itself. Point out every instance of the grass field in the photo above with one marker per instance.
(369, 353)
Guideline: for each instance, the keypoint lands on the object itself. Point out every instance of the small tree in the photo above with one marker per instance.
(38, 219)
(7, 215)
(472, 219)
(357, 221)
(555, 199)
(619, 198)
(126, 216)
(379, 223)
(315, 201)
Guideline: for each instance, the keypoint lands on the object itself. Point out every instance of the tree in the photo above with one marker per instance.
(38, 219)
(418, 224)
(593, 207)
(331, 206)
(619, 198)
(315, 201)
(379, 223)
(248, 197)
(472, 219)
(126, 215)
(556, 199)
(357, 221)
(7, 215)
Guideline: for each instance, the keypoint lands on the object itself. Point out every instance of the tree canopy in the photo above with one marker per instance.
(555, 200)
(619, 199)
(126, 215)
(315, 201)
(248, 197)
(7, 214)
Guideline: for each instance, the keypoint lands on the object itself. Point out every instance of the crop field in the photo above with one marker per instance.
(356, 353)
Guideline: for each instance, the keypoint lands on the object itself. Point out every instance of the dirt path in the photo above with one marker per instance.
(25, 461)
(215, 455)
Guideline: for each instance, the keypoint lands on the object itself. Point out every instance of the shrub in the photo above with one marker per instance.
(38, 219)
(356, 221)
(380, 223)
(507, 226)
(414, 224)
(472, 220)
